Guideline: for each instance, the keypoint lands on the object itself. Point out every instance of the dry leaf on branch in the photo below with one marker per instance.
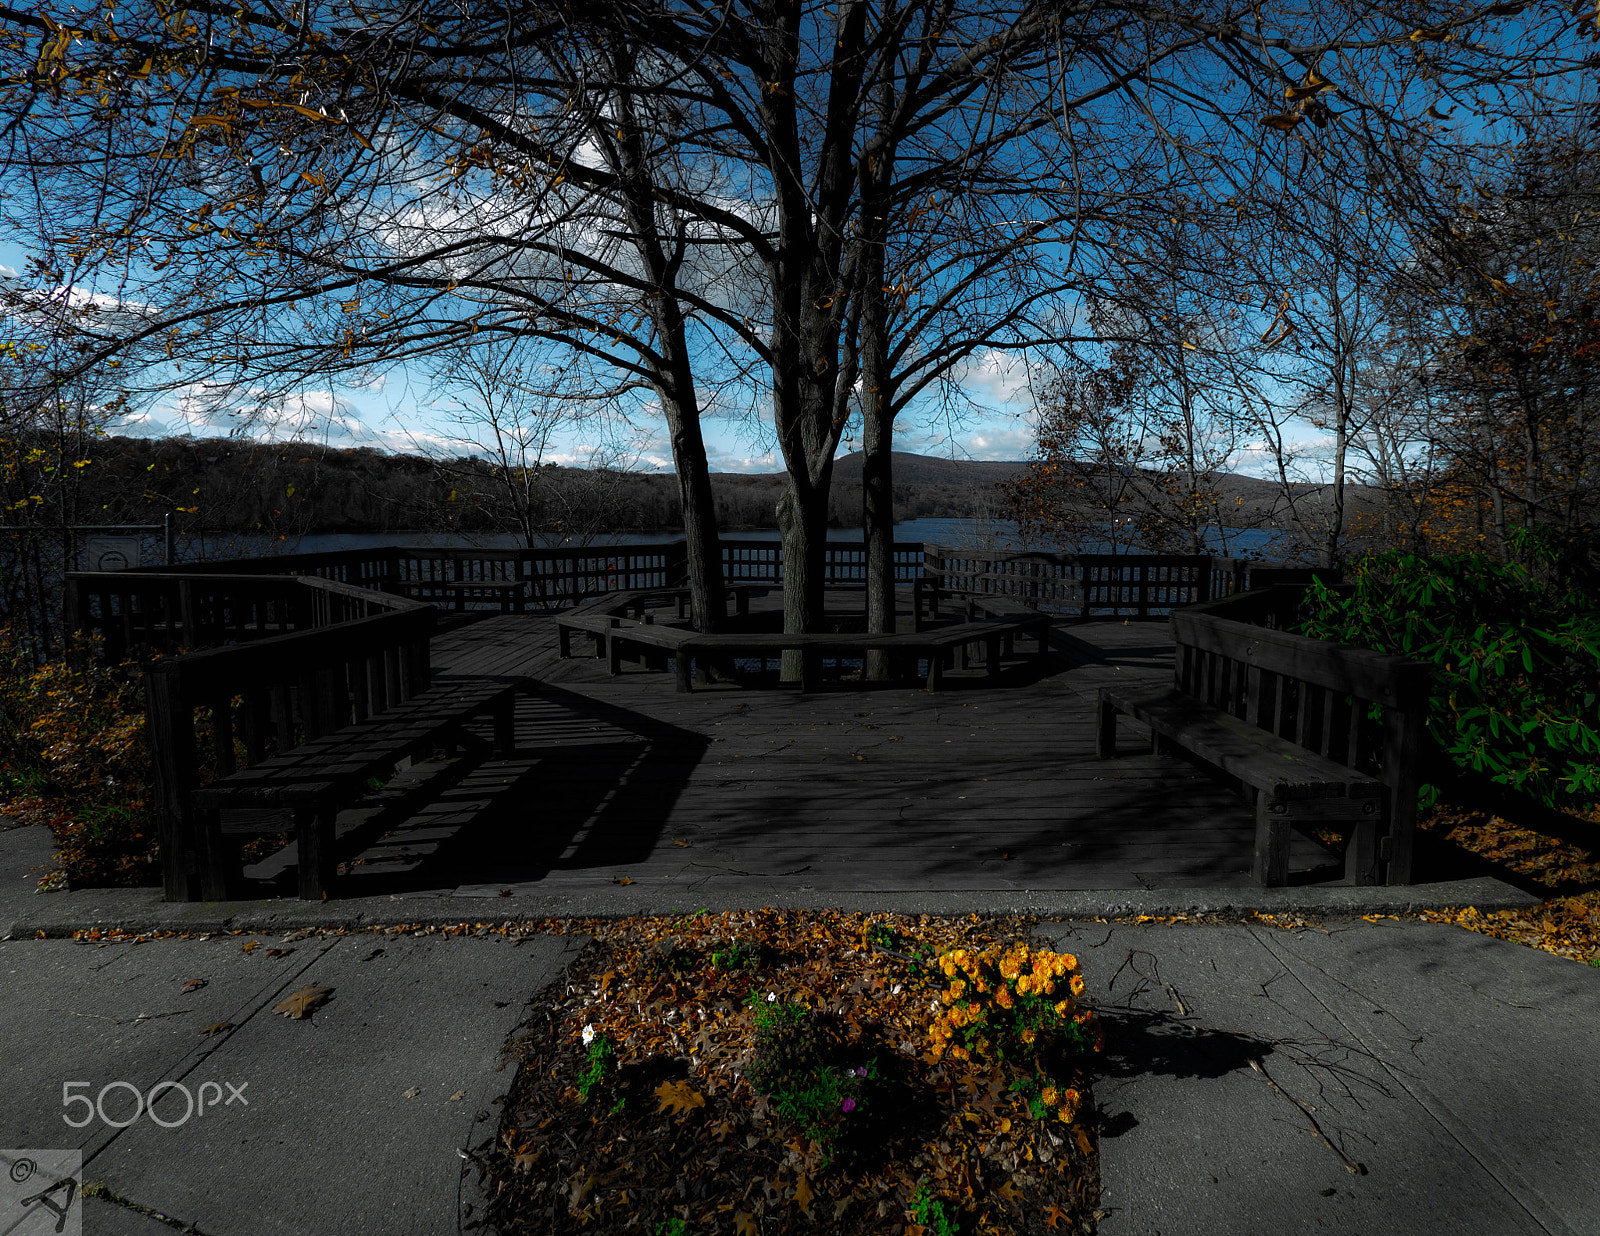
(301, 1004)
(677, 1097)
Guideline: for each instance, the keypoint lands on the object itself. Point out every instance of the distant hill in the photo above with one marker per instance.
(912, 469)
(286, 488)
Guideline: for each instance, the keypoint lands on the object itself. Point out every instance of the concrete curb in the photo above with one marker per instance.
(140, 910)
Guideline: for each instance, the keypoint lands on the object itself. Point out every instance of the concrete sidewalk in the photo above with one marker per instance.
(352, 1121)
(1390, 1076)
(1454, 1072)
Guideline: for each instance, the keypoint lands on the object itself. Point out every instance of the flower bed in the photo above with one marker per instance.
(767, 1072)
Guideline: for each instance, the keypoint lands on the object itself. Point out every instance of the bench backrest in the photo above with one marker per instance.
(1363, 709)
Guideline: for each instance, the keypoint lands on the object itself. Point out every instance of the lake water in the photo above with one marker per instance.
(952, 533)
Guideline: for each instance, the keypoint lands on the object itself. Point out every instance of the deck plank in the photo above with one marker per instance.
(984, 785)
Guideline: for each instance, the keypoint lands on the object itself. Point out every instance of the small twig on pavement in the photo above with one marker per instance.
(1350, 1165)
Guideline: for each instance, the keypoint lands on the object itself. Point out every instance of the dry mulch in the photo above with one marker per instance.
(1565, 871)
(675, 1142)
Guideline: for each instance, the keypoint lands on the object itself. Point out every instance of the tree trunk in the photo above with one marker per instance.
(702, 547)
(877, 427)
(803, 525)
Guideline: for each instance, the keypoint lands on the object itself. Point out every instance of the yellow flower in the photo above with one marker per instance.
(1048, 1094)
(1002, 997)
(1068, 962)
(959, 1053)
(1028, 1036)
(1077, 985)
(1048, 987)
(1024, 985)
(947, 997)
(1008, 967)
(1061, 1007)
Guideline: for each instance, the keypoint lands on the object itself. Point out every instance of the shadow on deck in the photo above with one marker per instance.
(762, 793)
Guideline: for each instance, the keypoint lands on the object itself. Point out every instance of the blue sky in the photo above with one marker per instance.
(400, 411)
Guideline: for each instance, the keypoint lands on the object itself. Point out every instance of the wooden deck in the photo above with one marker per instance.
(847, 790)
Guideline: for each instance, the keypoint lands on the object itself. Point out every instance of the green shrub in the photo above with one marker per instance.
(1516, 651)
(811, 1076)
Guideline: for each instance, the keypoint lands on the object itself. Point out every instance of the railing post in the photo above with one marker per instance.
(169, 731)
(1404, 734)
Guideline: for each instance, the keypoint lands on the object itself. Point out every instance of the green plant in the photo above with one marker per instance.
(599, 1063)
(737, 955)
(930, 1212)
(672, 1227)
(1516, 655)
(801, 1064)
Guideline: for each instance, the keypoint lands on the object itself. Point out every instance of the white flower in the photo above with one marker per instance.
(772, 997)
(588, 1035)
(896, 990)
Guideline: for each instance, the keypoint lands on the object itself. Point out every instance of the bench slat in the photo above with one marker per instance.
(1271, 765)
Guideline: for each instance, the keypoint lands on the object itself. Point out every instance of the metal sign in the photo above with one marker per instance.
(110, 553)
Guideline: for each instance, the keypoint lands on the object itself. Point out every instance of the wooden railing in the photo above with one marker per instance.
(132, 612)
(1086, 585)
(844, 562)
(1359, 708)
(209, 713)
(1137, 585)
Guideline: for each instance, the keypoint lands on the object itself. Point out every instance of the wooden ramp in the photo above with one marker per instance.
(848, 789)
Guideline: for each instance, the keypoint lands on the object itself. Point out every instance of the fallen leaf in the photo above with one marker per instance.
(744, 1224)
(196, 984)
(1084, 1143)
(621, 880)
(301, 1004)
(802, 1195)
(678, 1097)
(218, 1027)
(525, 1161)
(412, 1093)
(1010, 1192)
(1055, 1216)
(251, 947)
(279, 952)
(682, 844)
(505, 892)
(457, 1096)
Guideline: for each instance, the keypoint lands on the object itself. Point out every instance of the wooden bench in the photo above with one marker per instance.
(1287, 717)
(996, 634)
(595, 616)
(304, 789)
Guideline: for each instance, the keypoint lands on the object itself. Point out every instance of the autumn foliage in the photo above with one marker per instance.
(73, 757)
(771, 1071)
